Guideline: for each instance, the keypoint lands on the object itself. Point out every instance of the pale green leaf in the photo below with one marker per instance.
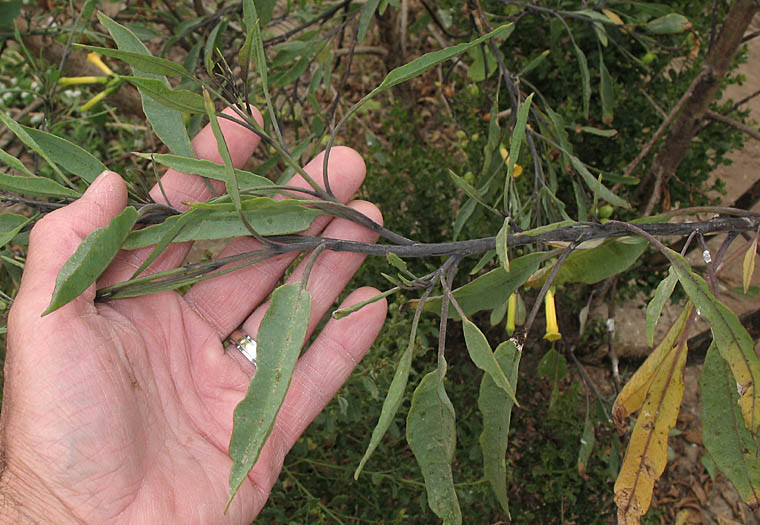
(68, 155)
(176, 99)
(655, 306)
(483, 357)
(91, 259)
(208, 169)
(36, 186)
(142, 62)
(10, 225)
(281, 335)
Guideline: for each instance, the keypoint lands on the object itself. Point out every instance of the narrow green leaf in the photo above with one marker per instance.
(470, 191)
(655, 306)
(208, 169)
(607, 133)
(267, 216)
(29, 142)
(368, 11)
(727, 440)
(585, 76)
(518, 135)
(593, 183)
(208, 50)
(501, 245)
(10, 225)
(91, 259)
(281, 336)
(483, 357)
(142, 62)
(496, 407)
(392, 400)
(431, 433)
(168, 237)
(36, 186)
(493, 288)
(553, 368)
(176, 99)
(68, 155)
(587, 445)
(14, 163)
(167, 122)
(605, 91)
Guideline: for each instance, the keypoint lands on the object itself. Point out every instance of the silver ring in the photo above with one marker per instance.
(245, 344)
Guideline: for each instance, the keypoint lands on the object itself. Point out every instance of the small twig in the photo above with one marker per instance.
(712, 115)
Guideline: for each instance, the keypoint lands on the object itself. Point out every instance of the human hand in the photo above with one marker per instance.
(122, 411)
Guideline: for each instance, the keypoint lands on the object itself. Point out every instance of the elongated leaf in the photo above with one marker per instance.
(10, 225)
(587, 445)
(37, 186)
(166, 122)
(392, 400)
(647, 451)
(368, 11)
(631, 397)
(281, 336)
(91, 259)
(29, 142)
(68, 155)
(518, 134)
(142, 62)
(501, 245)
(14, 163)
(729, 336)
(585, 76)
(496, 407)
(655, 306)
(748, 265)
(669, 24)
(493, 288)
(177, 99)
(593, 184)
(431, 433)
(268, 217)
(728, 441)
(469, 190)
(481, 354)
(208, 169)
(596, 264)
(605, 91)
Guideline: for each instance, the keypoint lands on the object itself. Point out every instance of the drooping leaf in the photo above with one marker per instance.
(518, 135)
(10, 225)
(594, 185)
(167, 122)
(471, 191)
(483, 357)
(728, 441)
(496, 406)
(143, 62)
(596, 264)
(36, 186)
(605, 92)
(730, 337)
(267, 216)
(91, 259)
(631, 397)
(669, 24)
(68, 155)
(493, 288)
(208, 169)
(647, 451)
(176, 99)
(394, 397)
(655, 306)
(281, 336)
(431, 433)
(585, 76)
(748, 265)
(587, 445)
(368, 12)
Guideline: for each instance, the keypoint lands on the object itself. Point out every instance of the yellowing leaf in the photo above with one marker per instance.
(748, 267)
(614, 18)
(631, 398)
(647, 452)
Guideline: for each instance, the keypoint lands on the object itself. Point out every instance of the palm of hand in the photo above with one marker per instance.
(122, 411)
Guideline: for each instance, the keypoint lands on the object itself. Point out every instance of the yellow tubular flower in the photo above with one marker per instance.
(511, 313)
(94, 58)
(552, 330)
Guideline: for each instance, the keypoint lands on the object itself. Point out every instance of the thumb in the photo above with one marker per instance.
(56, 237)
